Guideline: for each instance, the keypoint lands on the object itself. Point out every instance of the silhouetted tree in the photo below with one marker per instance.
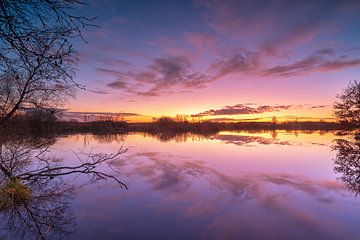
(274, 120)
(347, 109)
(181, 118)
(37, 61)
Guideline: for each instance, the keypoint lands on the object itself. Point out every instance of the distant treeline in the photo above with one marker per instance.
(162, 125)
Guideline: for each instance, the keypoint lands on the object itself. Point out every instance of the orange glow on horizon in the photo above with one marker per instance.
(293, 115)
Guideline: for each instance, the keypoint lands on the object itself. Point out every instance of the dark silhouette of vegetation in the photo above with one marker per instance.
(34, 197)
(41, 124)
(347, 109)
(36, 55)
(347, 161)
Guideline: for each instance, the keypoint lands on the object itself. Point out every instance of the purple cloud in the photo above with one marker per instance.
(101, 92)
(241, 109)
(162, 74)
(318, 106)
(244, 61)
(322, 60)
(118, 84)
(115, 62)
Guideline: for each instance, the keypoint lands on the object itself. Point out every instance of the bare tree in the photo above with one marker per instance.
(37, 62)
(347, 109)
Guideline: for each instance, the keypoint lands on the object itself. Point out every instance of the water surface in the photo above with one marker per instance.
(231, 185)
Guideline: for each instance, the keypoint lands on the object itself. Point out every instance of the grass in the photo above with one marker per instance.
(13, 193)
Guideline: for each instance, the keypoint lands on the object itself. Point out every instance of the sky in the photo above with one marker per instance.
(224, 60)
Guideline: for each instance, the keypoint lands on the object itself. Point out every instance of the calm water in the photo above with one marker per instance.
(233, 185)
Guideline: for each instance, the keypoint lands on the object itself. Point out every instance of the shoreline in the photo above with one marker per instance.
(203, 128)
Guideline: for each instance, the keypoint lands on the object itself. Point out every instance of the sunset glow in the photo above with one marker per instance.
(180, 119)
(189, 57)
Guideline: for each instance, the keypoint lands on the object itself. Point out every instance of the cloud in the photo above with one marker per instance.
(115, 62)
(203, 42)
(233, 18)
(301, 34)
(149, 93)
(301, 66)
(118, 84)
(223, 119)
(241, 38)
(176, 73)
(108, 71)
(318, 106)
(241, 109)
(101, 92)
(250, 63)
(340, 63)
(322, 60)
(173, 70)
(249, 24)
(244, 61)
(326, 51)
(95, 116)
(275, 24)
(160, 76)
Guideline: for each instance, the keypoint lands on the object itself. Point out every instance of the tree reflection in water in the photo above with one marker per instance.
(347, 161)
(35, 198)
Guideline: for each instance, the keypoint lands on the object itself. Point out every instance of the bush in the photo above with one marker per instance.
(14, 193)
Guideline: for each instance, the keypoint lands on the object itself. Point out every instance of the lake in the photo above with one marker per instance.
(230, 185)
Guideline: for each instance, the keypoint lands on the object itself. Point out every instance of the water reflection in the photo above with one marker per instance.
(234, 137)
(234, 206)
(184, 187)
(177, 137)
(35, 199)
(243, 140)
(175, 173)
(108, 138)
(30, 204)
(347, 161)
(178, 175)
(240, 138)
